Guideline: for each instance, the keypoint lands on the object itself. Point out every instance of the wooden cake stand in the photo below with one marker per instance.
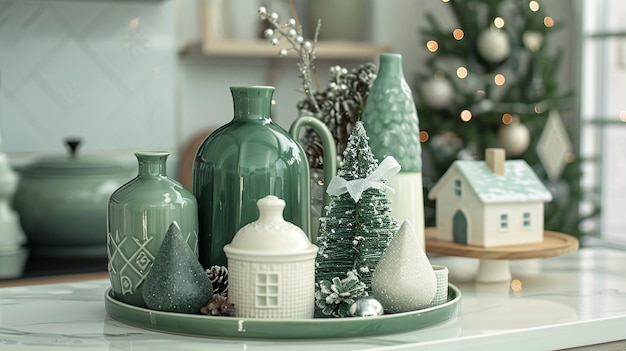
(494, 261)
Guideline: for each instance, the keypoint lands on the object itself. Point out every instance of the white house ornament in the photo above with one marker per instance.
(404, 279)
(438, 92)
(493, 45)
(489, 203)
(514, 138)
(271, 267)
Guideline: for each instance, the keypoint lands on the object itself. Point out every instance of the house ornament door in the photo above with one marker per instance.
(459, 227)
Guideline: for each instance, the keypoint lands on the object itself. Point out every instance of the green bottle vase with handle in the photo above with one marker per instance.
(139, 215)
(247, 159)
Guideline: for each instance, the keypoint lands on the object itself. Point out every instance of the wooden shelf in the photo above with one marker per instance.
(330, 50)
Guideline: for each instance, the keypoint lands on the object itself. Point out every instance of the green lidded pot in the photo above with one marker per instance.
(247, 159)
(62, 202)
(140, 213)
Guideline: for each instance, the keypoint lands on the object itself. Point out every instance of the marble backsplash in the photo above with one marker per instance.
(104, 71)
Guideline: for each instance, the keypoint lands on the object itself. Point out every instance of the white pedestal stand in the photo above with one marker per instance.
(493, 271)
(494, 261)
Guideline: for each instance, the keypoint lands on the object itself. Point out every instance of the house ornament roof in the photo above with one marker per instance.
(518, 183)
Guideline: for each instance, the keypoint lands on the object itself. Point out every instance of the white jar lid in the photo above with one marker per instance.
(270, 233)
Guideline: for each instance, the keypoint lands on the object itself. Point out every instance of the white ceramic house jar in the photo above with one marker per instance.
(271, 267)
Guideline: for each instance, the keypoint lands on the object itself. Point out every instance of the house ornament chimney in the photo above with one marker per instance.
(494, 158)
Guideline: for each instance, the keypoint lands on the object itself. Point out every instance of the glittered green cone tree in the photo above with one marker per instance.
(356, 227)
(491, 80)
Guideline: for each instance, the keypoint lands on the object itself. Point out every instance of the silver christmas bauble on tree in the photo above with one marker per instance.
(438, 92)
(493, 45)
(532, 40)
(514, 138)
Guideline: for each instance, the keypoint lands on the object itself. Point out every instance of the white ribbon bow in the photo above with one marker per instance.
(389, 167)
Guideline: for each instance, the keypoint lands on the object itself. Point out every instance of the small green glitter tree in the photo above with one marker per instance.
(357, 226)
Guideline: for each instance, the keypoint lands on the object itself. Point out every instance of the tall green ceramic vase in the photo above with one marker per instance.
(241, 162)
(139, 214)
(391, 122)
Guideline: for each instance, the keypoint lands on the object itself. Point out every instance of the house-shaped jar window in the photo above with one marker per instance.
(267, 290)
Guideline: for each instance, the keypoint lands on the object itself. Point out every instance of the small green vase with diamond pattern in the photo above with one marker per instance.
(139, 215)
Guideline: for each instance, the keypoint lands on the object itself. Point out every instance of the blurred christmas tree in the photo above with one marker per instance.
(492, 82)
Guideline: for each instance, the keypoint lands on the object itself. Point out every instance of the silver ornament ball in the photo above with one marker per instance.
(493, 45)
(532, 40)
(366, 307)
(514, 138)
(438, 92)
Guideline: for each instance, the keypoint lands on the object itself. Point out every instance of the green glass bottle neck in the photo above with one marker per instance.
(390, 65)
(252, 103)
(152, 163)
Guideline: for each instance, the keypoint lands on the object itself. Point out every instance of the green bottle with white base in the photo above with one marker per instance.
(391, 121)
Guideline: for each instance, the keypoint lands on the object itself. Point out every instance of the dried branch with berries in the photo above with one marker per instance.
(339, 105)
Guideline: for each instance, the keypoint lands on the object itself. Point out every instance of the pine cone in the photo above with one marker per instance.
(341, 105)
(218, 306)
(336, 298)
(219, 279)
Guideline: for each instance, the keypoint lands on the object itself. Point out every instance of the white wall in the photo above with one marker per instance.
(103, 71)
(110, 72)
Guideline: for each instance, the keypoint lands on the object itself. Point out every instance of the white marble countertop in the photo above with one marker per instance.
(553, 303)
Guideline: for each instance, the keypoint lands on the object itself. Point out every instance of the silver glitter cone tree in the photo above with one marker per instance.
(354, 233)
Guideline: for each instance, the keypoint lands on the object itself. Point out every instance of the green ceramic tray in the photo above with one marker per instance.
(247, 328)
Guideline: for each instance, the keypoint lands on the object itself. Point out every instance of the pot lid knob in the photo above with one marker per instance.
(73, 143)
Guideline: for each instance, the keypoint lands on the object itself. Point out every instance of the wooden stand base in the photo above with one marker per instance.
(494, 261)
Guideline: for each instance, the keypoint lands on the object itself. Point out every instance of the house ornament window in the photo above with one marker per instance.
(526, 222)
(457, 188)
(504, 222)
